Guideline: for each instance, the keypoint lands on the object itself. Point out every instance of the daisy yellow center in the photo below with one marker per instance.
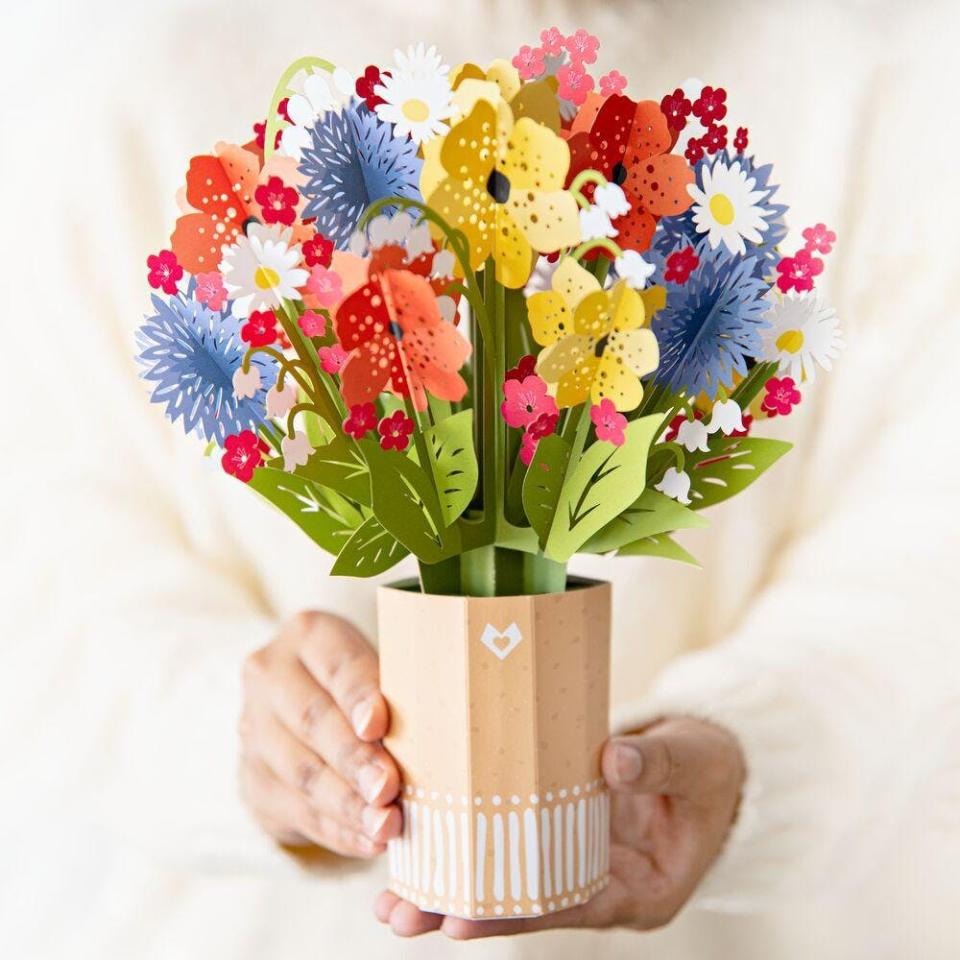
(416, 110)
(266, 278)
(790, 341)
(721, 209)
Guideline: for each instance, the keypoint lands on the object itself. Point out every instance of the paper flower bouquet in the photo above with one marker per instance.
(491, 317)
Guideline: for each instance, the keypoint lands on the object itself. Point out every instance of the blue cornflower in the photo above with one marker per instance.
(711, 324)
(192, 352)
(354, 159)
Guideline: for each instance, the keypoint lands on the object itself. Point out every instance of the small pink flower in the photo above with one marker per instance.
(797, 272)
(326, 285)
(525, 401)
(164, 271)
(528, 447)
(608, 424)
(313, 324)
(552, 41)
(781, 397)
(395, 431)
(362, 419)
(332, 359)
(529, 62)
(210, 290)
(582, 47)
(819, 239)
(612, 83)
(575, 84)
(241, 455)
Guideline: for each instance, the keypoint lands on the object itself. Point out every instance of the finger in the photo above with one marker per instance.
(345, 665)
(301, 769)
(384, 904)
(406, 920)
(670, 758)
(457, 928)
(274, 802)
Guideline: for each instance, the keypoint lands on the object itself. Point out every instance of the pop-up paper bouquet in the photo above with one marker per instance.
(491, 317)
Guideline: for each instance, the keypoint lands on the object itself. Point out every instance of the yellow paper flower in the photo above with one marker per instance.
(596, 344)
(502, 183)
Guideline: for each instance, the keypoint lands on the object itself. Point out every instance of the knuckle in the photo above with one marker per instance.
(312, 716)
(255, 666)
(661, 762)
(659, 915)
(355, 755)
(302, 623)
(351, 808)
(307, 775)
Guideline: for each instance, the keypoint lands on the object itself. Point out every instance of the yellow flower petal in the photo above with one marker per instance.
(613, 381)
(571, 365)
(538, 100)
(574, 387)
(550, 317)
(469, 148)
(506, 76)
(534, 157)
(594, 315)
(573, 282)
(511, 250)
(549, 221)
(654, 299)
(467, 207)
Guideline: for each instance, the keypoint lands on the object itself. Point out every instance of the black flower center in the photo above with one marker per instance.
(498, 186)
(600, 346)
(619, 174)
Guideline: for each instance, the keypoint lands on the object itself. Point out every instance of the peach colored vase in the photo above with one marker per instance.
(499, 711)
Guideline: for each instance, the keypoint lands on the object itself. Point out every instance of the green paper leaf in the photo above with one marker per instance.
(306, 503)
(370, 551)
(340, 465)
(602, 484)
(454, 463)
(660, 545)
(732, 464)
(651, 514)
(543, 483)
(405, 502)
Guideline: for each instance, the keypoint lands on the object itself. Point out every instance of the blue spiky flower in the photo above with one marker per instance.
(711, 324)
(354, 159)
(191, 353)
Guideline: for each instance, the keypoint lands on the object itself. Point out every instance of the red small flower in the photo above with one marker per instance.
(582, 47)
(528, 448)
(525, 367)
(740, 141)
(613, 83)
(575, 84)
(676, 108)
(544, 425)
(781, 397)
(552, 41)
(164, 271)
(260, 132)
(312, 324)
(333, 358)
(318, 251)
(260, 330)
(680, 264)
(372, 77)
(529, 62)
(673, 431)
(282, 109)
(797, 272)
(715, 138)
(819, 239)
(710, 106)
(210, 290)
(277, 201)
(747, 421)
(694, 151)
(395, 431)
(241, 455)
(362, 419)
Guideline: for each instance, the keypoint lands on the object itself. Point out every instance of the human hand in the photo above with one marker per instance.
(311, 767)
(674, 790)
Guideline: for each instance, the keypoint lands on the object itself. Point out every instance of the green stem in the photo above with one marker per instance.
(442, 577)
(298, 408)
(541, 575)
(478, 573)
(306, 64)
(603, 243)
(586, 176)
(288, 368)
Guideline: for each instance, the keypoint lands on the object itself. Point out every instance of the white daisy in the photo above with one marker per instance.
(417, 96)
(802, 334)
(260, 269)
(318, 94)
(727, 208)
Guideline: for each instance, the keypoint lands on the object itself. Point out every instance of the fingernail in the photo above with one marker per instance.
(628, 763)
(371, 781)
(373, 820)
(362, 714)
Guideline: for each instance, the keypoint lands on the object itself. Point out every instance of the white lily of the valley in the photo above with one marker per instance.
(676, 484)
(280, 402)
(595, 223)
(611, 199)
(634, 269)
(246, 385)
(727, 416)
(296, 451)
(693, 434)
(443, 264)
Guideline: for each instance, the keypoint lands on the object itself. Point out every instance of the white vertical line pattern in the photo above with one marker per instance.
(513, 822)
(481, 854)
(531, 853)
(452, 847)
(545, 846)
(438, 860)
(425, 875)
(465, 855)
(558, 849)
(581, 841)
(591, 839)
(404, 872)
(605, 865)
(498, 857)
(415, 845)
(569, 853)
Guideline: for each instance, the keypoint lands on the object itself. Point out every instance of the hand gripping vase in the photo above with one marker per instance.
(499, 712)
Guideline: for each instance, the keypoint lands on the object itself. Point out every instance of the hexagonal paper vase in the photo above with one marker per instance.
(499, 712)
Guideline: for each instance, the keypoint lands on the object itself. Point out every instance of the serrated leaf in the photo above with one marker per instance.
(306, 503)
(454, 463)
(370, 551)
(543, 483)
(652, 513)
(339, 465)
(661, 545)
(732, 464)
(602, 484)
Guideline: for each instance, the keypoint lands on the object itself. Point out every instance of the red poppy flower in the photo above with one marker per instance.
(628, 143)
(260, 330)
(797, 272)
(165, 271)
(676, 108)
(397, 339)
(277, 201)
(318, 251)
(241, 455)
(362, 419)
(372, 77)
(715, 138)
(819, 239)
(680, 264)
(395, 431)
(525, 367)
(710, 106)
(781, 397)
(740, 141)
